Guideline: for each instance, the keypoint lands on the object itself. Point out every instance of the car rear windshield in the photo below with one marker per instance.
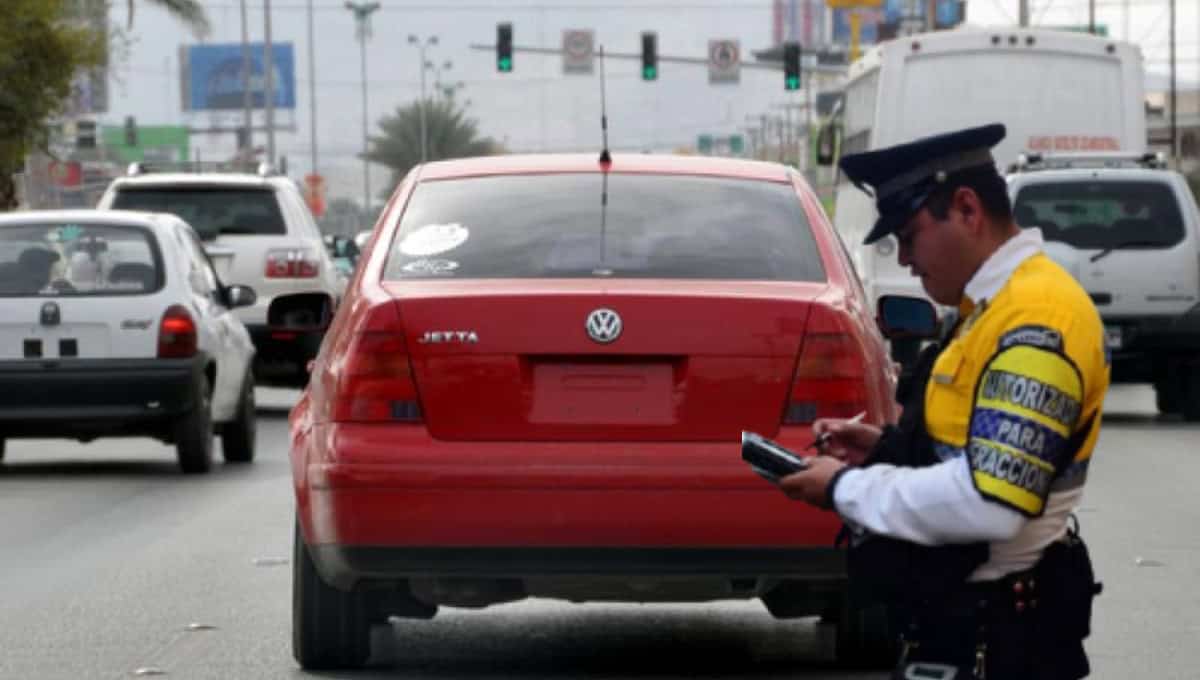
(596, 225)
(1107, 214)
(78, 260)
(210, 210)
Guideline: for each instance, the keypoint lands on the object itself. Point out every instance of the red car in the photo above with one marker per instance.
(536, 386)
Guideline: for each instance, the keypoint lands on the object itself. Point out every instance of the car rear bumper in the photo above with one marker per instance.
(398, 503)
(1148, 344)
(67, 397)
(346, 566)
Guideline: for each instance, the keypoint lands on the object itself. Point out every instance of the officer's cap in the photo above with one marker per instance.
(903, 176)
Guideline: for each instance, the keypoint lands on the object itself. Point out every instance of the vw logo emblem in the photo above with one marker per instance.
(603, 325)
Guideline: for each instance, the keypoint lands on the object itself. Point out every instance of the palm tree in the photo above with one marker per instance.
(449, 134)
(188, 11)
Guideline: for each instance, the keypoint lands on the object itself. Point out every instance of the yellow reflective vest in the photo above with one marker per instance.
(1020, 386)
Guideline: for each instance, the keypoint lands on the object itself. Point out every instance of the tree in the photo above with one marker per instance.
(40, 52)
(449, 134)
(188, 11)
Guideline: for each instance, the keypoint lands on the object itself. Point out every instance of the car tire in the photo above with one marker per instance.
(865, 637)
(1168, 396)
(1189, 394)
(238, 437)
(194, 433)
(1, 449)
(331, 629)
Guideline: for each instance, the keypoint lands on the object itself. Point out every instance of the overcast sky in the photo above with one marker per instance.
(535, 107)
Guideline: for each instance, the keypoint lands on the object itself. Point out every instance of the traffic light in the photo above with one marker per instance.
(504, 47)
(131, 131)
(649, 55)
(791, 66)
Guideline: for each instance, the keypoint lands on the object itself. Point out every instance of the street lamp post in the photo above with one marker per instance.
(362, 15)
(421, 45)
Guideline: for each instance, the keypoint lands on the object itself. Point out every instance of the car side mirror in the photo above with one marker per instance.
(900, 316)
(240, 296)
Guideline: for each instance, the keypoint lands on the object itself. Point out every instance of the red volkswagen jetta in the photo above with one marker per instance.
(536, 385)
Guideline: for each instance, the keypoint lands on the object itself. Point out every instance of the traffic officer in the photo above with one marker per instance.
(962, 511)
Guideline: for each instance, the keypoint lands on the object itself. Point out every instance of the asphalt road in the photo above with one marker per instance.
(113, 565)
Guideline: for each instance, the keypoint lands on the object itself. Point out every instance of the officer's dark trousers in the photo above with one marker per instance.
(1016, 645)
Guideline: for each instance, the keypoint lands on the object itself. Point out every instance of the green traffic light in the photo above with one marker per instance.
(791, 83)
(649, 73)
(504, 64)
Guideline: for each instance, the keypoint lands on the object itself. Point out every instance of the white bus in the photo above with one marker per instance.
(1055, 91)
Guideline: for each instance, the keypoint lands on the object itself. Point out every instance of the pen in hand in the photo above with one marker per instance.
(823, 438)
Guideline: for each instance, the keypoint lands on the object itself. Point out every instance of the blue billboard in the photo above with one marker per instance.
(212, 76)
(882, 23)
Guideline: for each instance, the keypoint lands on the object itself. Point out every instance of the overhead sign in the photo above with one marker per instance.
(724, 61)
(578, 47)
(163, 143)
(882, 20)
(213, 80)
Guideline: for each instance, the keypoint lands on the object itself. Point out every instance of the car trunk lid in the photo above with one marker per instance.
(610, 361)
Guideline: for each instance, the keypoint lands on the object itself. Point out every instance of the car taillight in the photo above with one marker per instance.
(831, 377)
(176, 334)
(375, 382)
(291, 263)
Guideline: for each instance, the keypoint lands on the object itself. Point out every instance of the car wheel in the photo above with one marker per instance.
(1168, 396)
(194, 433)
(865, 637)
(331, 628)
(1189, 394)
(238, 437)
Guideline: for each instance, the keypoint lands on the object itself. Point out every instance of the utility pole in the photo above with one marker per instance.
(1092, 17)
(312, 89)
(1023, 13)
(421, 45)
(247, 97)
(1174, 132)
(269, 81)
(362, 15)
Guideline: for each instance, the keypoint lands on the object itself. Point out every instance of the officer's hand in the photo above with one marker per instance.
(811, 484)
(847, 441)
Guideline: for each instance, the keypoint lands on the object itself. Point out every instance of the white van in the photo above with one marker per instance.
(1053, 90)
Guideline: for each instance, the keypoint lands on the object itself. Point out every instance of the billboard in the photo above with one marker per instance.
(883, 23)
(212, 76)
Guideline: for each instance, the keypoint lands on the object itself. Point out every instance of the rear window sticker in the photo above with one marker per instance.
(431, 267)
(433, 239)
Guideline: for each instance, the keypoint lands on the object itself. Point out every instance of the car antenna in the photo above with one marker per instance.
(605, 157)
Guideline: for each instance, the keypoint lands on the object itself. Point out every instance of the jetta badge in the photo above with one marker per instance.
(438, 337)
(50, 315)
(603, 325)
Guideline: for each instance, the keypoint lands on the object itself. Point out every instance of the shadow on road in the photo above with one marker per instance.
(621, 642)
(66, 467)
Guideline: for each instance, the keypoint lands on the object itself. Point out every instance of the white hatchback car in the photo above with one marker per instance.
(115, 323)
(259, 233)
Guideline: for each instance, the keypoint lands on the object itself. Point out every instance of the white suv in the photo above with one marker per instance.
(115, 323)
(1128, 229)
(259, 233)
